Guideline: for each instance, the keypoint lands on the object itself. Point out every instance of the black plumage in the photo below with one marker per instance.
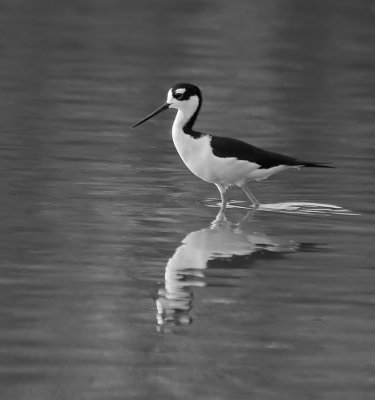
(228, 147)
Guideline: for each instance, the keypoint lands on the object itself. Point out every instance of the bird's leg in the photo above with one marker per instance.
(248, 216)
(222, 191)
(251, 197)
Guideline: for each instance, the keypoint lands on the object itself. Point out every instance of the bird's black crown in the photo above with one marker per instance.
(183, 91)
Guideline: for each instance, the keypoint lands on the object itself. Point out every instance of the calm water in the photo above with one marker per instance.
(116, 283)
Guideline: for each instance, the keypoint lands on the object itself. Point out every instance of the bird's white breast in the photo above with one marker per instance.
(193, 152)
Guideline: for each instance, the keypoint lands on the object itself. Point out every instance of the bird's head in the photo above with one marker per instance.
(184, 97)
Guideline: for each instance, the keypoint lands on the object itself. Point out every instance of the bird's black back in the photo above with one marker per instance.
(228, 147)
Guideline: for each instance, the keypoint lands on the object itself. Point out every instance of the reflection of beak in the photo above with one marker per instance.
(156, 112)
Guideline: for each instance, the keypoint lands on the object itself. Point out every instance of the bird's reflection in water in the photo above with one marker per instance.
(186, 268)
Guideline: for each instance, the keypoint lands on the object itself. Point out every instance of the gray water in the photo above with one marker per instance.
(116, 281)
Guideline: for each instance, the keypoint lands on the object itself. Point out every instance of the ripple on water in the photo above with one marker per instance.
(292, 207)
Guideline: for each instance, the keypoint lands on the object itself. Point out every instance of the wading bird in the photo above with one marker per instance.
(219, 160)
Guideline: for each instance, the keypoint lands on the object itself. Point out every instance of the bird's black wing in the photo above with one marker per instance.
(228, 147)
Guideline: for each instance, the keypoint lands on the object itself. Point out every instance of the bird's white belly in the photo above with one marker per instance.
(198, 157)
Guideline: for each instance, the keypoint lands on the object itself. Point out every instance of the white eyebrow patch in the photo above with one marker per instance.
(180, 91)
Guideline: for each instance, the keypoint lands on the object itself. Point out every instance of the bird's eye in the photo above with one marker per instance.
(178, 96)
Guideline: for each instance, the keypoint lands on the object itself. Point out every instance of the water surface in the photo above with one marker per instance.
(116, 280)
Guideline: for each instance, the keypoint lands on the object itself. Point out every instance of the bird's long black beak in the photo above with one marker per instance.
(156, 112)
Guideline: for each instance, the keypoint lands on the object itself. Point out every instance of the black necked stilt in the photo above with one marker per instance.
(219, 160)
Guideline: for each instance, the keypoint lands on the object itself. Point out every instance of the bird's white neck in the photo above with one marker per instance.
(180, 121)
(187, 112)
(183, 139)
